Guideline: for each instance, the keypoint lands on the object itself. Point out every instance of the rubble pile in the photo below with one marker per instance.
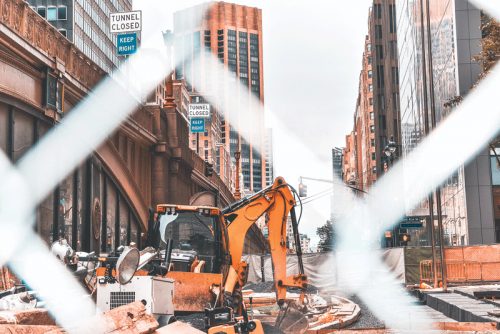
(126, 319)
(323, 312)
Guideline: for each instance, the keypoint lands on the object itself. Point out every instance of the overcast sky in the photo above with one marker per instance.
(312, 59)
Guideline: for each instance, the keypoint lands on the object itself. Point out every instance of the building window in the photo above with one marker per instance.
(378, 31)
(42, 11)
(373, 156)
(381, 102)
(392, 18)
(51, 14)
(63, 32)
(369, 60)
(377, 8)
(382, 122)
(206, 143)
(370, 74)
(395, 76)
(372, 142)
(370, 88)
(372, 115)
(369, 47)
(370, 101)
(372, 128)
(380, 76)
(393, 49)
(62, 13)
(380, 52)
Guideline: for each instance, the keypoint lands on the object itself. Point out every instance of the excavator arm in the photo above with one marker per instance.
(278, 202)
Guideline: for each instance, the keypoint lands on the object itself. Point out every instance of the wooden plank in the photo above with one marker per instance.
(27, 317)
(465, 326)
(30, 329)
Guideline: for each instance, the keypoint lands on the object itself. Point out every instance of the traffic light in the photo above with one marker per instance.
(404, 238)
(302, 190)
(209, 169)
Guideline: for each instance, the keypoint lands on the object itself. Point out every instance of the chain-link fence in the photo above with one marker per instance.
(26, 184)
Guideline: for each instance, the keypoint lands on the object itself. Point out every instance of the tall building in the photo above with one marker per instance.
(436, 59)
(376, 117)
(349, 170)
(305, 243)
(86, 24)
(268, 156)
(233, 34)
(383, 37)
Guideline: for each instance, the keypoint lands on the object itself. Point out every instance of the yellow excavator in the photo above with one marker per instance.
(203, 249)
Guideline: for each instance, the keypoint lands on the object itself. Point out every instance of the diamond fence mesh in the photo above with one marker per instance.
(47, 164)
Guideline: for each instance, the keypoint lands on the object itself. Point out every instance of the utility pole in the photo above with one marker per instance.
(433, 126)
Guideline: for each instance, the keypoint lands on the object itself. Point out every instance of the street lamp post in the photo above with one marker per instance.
(389, 154)
(237, 193)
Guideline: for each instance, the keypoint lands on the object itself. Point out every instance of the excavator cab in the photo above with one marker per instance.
(192, 238)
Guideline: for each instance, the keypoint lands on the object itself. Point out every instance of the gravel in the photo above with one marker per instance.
(367, 319)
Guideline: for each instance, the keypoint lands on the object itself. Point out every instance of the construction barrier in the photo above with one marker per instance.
(320, 268)
(409, 265)
(465, 264)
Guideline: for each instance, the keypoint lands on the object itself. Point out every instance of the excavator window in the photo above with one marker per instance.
(196, 242)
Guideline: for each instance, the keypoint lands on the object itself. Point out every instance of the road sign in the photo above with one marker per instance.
(412, 222)
(126, 43)
(199, 110)
(197, 125)
(125, 21)
(411, 225)
(413, 218)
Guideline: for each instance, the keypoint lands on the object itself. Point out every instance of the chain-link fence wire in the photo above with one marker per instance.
(49, 163)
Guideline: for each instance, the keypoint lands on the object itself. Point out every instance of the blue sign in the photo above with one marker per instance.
(126, 43)
(412, 222)
(197, 125)
(411, 225)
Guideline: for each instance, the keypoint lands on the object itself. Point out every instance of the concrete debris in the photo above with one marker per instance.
(336, 313)
(30, 329)
(130, 318)
(27, 317)
(127, 319)
(339, 315)
(178, 327)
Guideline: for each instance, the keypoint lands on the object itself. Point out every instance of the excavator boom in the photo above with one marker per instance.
(278, 202)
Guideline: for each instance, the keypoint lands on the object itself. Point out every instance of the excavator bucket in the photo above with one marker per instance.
(291, 320)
